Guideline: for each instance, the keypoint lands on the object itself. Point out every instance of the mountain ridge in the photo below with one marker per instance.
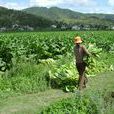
(69, 16)
(14, 19)
(54, 18)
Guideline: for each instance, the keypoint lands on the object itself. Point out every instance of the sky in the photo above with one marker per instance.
(84, 6)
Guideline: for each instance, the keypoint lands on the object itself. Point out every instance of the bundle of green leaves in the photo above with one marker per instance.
(94, 63)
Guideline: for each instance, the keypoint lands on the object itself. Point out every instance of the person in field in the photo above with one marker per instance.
(80, 51)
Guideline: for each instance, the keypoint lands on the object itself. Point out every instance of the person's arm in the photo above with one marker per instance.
(85, 50)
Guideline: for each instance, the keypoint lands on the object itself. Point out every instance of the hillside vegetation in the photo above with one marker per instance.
(18, 20)
(54, 18)
(71, 17)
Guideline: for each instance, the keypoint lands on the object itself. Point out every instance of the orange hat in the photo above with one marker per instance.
(77, 39)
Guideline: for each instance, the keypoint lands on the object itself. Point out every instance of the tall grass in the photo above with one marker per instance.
(25, 78)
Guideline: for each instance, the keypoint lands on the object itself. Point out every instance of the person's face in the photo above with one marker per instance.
(77, 43)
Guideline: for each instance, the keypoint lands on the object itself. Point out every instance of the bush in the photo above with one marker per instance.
(25, 78)
(76, 105)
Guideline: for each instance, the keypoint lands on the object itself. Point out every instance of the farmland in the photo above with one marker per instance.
(32, 62)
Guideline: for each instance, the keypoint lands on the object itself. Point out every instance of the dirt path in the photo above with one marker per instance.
(32, 103)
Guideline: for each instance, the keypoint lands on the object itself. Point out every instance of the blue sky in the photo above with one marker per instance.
(85, 6)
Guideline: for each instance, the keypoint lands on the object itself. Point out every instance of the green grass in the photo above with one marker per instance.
(25, 78)
(21, 86)
(97, 96)
(99, 89)
(31, 103)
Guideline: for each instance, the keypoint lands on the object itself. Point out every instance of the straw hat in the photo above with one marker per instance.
(77, 39)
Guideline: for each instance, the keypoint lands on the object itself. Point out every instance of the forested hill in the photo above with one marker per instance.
(38, 18)
(13, 19)
(69, 16)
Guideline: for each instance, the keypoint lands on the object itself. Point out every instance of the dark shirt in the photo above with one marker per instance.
(80, 52)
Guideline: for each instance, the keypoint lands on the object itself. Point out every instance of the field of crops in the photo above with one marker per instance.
(35, 61)
(52, 51)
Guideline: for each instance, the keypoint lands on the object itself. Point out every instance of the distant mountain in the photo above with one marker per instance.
(40, 18)
(13, 19)
(53, 13)
(103, 16)
(71, 17)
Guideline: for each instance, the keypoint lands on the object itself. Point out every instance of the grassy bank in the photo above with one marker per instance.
(98, 91)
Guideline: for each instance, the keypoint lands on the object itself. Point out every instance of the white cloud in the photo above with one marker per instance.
(111, 2)
(71, 4)
(81, 2)
(103, 10)
(13, 5)
(97, 10)
(45, 3)
(49, 3)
